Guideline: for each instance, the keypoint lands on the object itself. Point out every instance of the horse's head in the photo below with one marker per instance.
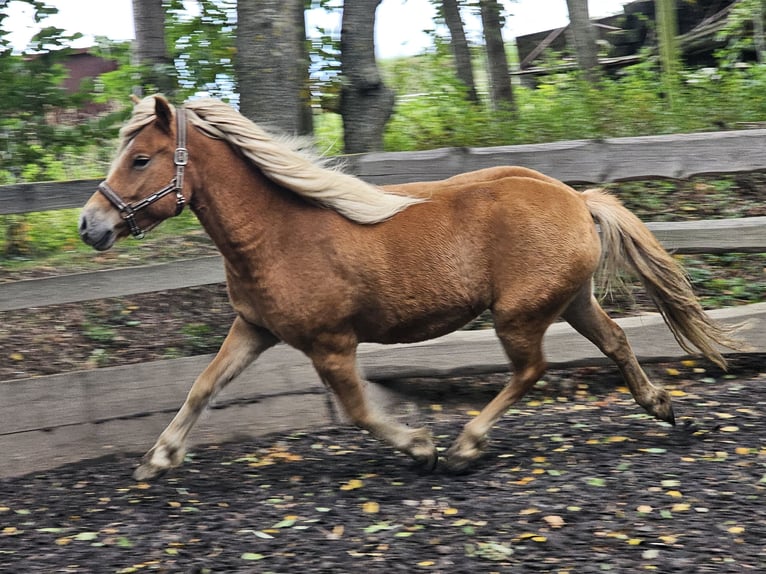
(146, 183)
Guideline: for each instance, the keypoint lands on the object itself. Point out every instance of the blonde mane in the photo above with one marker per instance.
(282, 161)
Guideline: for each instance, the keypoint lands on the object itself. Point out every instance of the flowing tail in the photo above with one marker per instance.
(627, 244)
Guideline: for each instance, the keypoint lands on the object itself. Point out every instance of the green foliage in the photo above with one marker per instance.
(203, 46)
(564, 107)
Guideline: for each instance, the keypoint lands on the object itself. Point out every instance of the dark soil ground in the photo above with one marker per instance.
(577, 479)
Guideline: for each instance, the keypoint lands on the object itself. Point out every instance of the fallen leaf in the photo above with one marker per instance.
(352, 484)
(252, 556)
(371, 507)
(554, 521)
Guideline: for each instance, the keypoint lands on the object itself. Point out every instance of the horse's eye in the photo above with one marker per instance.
(140, 162)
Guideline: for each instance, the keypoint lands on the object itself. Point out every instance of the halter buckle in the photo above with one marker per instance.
(181, 157)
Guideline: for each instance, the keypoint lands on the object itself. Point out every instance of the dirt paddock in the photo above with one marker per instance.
(577, 479)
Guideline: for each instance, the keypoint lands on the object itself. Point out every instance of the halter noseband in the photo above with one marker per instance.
(180, 158)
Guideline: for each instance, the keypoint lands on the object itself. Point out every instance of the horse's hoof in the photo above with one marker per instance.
(422, 450)
(662, 408)
(460, 458)
(148, 471)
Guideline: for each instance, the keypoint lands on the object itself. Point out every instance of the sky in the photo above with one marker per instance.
(400, 24)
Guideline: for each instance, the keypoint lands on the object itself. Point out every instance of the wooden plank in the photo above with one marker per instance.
(583, 161)
(38, 450)
(111, 283)
(744, 235)
(116, 393)
(45, 196)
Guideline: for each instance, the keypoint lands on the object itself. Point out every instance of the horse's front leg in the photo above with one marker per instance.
(338, 369)
(242, 346)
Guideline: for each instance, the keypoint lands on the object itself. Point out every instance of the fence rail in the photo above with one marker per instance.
(578, 161)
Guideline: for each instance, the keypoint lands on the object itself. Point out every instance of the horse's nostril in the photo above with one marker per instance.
(83, 225)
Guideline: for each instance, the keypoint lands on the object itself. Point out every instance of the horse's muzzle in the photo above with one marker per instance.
(98, 236)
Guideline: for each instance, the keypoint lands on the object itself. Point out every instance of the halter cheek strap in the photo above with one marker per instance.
(180, 159)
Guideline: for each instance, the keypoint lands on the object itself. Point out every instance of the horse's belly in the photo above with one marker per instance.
(414, 327)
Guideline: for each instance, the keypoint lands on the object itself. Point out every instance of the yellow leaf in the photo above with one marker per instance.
(669, 539)
(672, 372)
(730, 428)
(736, 529)
(528, 511)
(617, 439)
(674, 493)
(676, 393)
(634, 541)
(371, 507)
(554, 521)
(10, 530)
(63, 541)
(352, 484)
(17, 357)
(450, 511)
(473, 413)
(742, 450)
(426, 563)
(688, 363)
(680, 507)
(539, 539)
(337, 531)
(436, 408)
(644, 508)
(174, 504)
(538, 459)
(143, 486)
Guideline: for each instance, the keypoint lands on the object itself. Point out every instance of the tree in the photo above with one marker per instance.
(584, 38)
(497, 61)
(366, 103)
(450, 10)
(272, 64)
(667, 26)
(150, 49)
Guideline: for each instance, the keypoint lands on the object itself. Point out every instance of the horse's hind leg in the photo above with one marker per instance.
(242, 346)
(590, 320)
(522, 340)
(337, 368)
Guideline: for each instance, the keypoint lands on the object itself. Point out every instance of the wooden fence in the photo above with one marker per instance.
(51, 420)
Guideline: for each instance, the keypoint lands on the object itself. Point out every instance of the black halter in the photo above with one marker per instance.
(180, 158)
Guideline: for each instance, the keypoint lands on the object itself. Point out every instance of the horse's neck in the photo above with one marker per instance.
(233, 201)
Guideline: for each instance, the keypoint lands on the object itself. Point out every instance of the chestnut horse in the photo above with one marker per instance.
(322, 261)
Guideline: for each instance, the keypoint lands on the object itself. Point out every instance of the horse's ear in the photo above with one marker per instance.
(163, 113)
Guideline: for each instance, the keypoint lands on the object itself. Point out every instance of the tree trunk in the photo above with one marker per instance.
(667, 26)
(272, 64)
(758, 39)
(499, 74)
(459, 44)
(365, 103)
(584, 38)
(150, 50)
